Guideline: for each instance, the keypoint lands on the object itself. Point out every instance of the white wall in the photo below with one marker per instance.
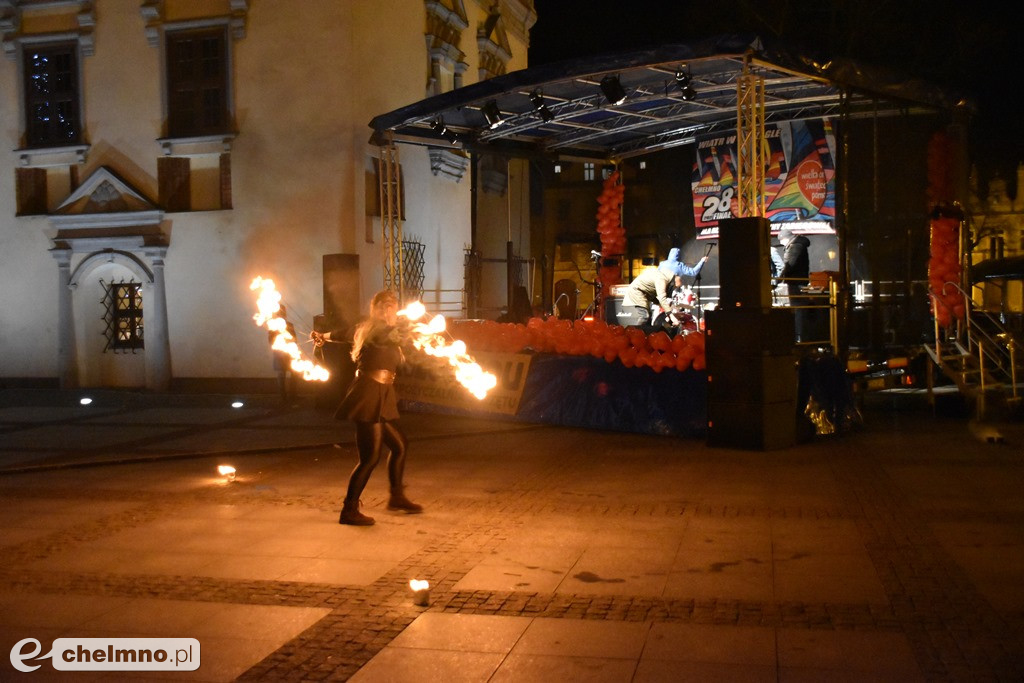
(307, 82)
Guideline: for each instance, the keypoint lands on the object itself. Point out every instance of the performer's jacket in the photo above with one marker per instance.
(648, 287)
(371, 396)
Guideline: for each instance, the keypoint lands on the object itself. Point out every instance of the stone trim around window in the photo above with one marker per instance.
(11, 22)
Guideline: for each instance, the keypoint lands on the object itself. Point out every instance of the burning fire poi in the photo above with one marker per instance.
(429, 338)
(269, 305)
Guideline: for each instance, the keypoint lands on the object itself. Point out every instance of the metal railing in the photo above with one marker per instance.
(812, 301)
(981, 336)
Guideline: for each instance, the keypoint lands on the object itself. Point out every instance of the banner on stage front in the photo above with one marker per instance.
(441, 388)
(799, 187)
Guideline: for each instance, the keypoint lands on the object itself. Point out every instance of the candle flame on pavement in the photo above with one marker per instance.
(268, 305)
(429, 338)
(418, 585)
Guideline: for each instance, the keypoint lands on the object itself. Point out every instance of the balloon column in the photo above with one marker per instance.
(628, 345)
(609, 226)
(943, 267)
(945, 262)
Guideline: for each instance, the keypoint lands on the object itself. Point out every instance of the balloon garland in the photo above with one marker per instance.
(628, 345)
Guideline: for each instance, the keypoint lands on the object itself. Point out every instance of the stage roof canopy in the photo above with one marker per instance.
(579, 120)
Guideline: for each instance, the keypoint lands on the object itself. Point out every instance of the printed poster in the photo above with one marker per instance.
(799, 180)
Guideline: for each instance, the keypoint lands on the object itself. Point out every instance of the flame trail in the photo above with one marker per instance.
(429, 338)
(268, 305)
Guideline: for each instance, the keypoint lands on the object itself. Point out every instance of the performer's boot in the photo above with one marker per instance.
(350, 515)
(398, 501)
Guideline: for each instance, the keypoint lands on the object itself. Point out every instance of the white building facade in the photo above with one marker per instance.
(159, 155)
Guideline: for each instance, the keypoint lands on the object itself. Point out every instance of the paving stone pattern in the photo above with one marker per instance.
(956, 632)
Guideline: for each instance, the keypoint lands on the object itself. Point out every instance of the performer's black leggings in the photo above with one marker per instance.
(371, 437)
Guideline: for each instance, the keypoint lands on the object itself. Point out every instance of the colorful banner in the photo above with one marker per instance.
(442, 389)
(799, 180)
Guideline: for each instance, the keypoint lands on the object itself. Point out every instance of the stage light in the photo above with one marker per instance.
(537, 97)
(612, 89)
(684, 81)
(492, 114)
(437, 125)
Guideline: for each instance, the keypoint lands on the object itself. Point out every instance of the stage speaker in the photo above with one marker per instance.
(341, 291)
(613, 310)
(751, 331)
(744, 271)
(753, 379)
(752, 426)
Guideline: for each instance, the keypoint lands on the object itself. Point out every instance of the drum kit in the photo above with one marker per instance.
(685, 312)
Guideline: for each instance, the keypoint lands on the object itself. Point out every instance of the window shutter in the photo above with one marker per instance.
(175, 183)
(31, 191)
(225, 181)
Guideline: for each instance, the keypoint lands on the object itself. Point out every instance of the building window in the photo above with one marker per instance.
(123, 317)
(52, 109)
(197, 83)
(588, 171)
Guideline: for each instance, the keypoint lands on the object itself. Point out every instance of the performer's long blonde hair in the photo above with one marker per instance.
(367, 328)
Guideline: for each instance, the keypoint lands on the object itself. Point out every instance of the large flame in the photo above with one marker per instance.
(268, 307)
(429, 338)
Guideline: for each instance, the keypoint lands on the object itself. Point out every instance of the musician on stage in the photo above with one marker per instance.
(651, 287)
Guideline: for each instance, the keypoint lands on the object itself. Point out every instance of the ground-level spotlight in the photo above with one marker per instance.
(226, 471)
(85, 400)
(420, 592)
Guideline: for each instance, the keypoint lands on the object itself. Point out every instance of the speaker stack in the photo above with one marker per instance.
(751, 361)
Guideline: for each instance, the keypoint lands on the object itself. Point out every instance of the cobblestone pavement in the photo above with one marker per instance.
(908, 532)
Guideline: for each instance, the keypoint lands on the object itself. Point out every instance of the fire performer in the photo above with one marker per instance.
(371, 403)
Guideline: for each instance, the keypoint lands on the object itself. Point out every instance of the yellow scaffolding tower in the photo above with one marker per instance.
(751, 148)
(390, 186)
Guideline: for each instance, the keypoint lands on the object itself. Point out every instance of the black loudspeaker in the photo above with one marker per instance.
(753, 378)
(744, 270)
(613, 310)
(341, 291)
(753, 331)
(341, 313)
(752, 426)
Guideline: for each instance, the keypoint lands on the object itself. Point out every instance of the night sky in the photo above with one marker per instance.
(968, 48)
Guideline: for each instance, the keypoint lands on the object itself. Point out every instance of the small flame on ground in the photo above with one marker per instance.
(226, 471)
(268, 307)
(429, 338)
(418, 585)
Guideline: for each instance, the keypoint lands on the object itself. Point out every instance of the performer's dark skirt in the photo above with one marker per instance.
(368, 401)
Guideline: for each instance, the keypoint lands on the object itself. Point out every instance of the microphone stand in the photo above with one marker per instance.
(596, 258)
(696, 285)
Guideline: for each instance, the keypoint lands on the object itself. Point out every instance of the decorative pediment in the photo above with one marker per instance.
(104, 192)
(104, 201)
